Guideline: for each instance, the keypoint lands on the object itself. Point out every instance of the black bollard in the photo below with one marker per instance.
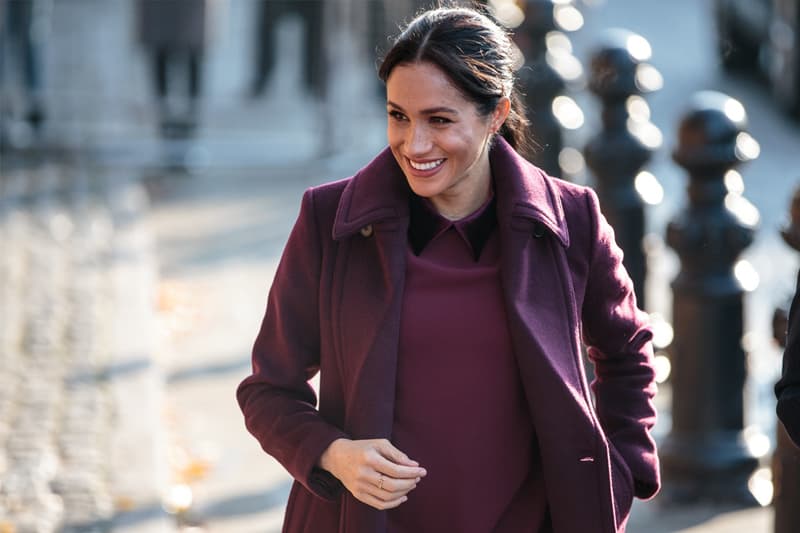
(786, 458)
(705, 456)
(616, 156)
(543, 78)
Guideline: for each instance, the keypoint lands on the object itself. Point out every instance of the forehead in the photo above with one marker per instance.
(423, 85)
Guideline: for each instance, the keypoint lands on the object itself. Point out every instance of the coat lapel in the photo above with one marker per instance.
(543, 321)
(372, 270)
(536, 283)
(539, 294)
(372, 226)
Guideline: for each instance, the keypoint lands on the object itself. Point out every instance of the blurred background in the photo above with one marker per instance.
(152, 158)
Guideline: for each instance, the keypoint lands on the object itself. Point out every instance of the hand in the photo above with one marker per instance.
(374, 471)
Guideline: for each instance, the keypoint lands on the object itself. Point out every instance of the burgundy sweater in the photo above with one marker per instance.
(459, 408)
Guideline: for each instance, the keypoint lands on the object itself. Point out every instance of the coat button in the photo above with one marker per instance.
(366, 231)
(538, 230)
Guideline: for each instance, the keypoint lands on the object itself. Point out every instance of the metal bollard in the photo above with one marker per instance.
(786, 458)
(705, 456)
(617, 154)
(548, 66)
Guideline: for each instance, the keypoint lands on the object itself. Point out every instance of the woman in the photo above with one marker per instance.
(441, 293)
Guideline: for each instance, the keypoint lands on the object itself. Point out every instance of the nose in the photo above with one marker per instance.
(418, 141)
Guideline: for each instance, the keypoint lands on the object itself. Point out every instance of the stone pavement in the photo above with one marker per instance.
(76, 272)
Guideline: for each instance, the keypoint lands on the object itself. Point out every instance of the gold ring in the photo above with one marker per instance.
(380, 482)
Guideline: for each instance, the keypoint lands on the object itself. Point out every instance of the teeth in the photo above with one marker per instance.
(426, 166)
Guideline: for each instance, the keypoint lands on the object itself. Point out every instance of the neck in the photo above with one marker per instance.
(472, 194)
(465, 204)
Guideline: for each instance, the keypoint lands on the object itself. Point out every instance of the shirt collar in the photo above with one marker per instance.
(426, 223)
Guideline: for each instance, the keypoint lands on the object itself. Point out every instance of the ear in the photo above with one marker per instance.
(500, 113)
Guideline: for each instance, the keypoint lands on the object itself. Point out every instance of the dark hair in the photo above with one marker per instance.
(476, 54)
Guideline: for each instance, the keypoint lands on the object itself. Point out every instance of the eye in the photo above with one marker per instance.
(396, 115)
(440, 120)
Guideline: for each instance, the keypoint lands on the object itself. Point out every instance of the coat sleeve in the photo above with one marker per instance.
(278, 404)
(618, 341)
(787, 389)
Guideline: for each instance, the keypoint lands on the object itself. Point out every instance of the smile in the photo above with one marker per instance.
(425, 166)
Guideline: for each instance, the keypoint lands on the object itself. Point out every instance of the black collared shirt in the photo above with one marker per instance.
(426, 224)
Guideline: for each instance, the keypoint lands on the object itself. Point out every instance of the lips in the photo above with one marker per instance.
(426, 166)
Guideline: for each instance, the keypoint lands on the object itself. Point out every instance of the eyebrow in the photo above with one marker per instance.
(429, 111)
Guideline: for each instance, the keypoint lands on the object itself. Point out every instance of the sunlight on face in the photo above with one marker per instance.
(439, 139)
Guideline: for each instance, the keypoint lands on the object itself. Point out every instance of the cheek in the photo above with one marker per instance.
(391, 135)
(457, 143)
(394, 135)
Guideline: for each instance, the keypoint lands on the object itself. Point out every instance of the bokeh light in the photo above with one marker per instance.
(638, 47)
(571, 161)
(742, 209)
(648, 78)
(568, 17)
(568, 113)
(649, 188)
(734, 182)
(747, 148)
(747, 275)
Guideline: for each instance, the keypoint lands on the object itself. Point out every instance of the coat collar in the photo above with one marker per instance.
(526, 196)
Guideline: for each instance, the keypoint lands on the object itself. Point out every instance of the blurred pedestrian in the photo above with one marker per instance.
(23, 32)
(788, 387)
(175, 35)
(441, 293)
(270, 14)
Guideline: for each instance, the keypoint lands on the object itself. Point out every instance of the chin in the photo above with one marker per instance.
(425, 190)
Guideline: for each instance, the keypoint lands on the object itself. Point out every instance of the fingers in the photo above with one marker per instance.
(386, 493)
(396, 464)
(409, 474)
(374, 471)
(383, 504)
(388, 450)
(388, 487)
(400, 472)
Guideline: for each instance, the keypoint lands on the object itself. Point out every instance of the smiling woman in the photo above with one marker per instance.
(439, 138)
(441, 293)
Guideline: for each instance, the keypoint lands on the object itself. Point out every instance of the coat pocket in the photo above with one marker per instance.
(621, 486)
(306, 513)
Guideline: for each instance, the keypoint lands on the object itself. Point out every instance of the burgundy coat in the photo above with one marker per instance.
(335, 304)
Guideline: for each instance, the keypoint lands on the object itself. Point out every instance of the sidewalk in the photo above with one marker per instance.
(76, 274)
